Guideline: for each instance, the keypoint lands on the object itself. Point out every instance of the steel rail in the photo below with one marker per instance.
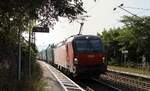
(127, 81)
(128, 73)
(108, 85)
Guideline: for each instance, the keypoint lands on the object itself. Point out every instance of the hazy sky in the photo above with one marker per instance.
(101, 16)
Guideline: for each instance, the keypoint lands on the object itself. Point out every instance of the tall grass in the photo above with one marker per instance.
(34, 83)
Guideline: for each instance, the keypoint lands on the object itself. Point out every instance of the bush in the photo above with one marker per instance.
(35, 83)
(113, 62)
(131, 64)
(9, 70)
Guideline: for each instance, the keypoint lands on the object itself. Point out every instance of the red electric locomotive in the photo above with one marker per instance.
(82, 54)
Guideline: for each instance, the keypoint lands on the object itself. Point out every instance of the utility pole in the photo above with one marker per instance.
(33, 36)
(19, 54)
(29, 53)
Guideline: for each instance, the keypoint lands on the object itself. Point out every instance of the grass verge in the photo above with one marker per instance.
(131, 70)
(35, 83)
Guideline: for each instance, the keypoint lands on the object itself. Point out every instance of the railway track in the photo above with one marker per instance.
(94, 84)
(132, 75)
(107, 85)
(111, 81)
(125, 82)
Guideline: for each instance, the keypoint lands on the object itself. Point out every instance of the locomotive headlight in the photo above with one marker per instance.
(103, 59)
(75, 61)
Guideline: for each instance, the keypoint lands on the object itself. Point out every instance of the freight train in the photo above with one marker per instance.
(78, 55)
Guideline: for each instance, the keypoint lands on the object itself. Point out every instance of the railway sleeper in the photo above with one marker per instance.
(131, 83)
(136, 86)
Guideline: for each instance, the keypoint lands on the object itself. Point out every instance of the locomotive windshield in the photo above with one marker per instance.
(88, 45)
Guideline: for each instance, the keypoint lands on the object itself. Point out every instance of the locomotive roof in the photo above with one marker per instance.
(76, 37)
(86, 36)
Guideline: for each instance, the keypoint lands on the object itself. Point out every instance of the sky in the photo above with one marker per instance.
(101, 16)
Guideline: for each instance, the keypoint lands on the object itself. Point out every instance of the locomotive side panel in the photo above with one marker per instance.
(70, 56)
(60, 56)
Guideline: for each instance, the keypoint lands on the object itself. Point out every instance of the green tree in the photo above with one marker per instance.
(18, 15)
(140, 27)
(111, 44)
(45, 11)
(133, 36)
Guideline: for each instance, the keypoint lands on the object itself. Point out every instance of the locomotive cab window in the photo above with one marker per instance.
(88, 45)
